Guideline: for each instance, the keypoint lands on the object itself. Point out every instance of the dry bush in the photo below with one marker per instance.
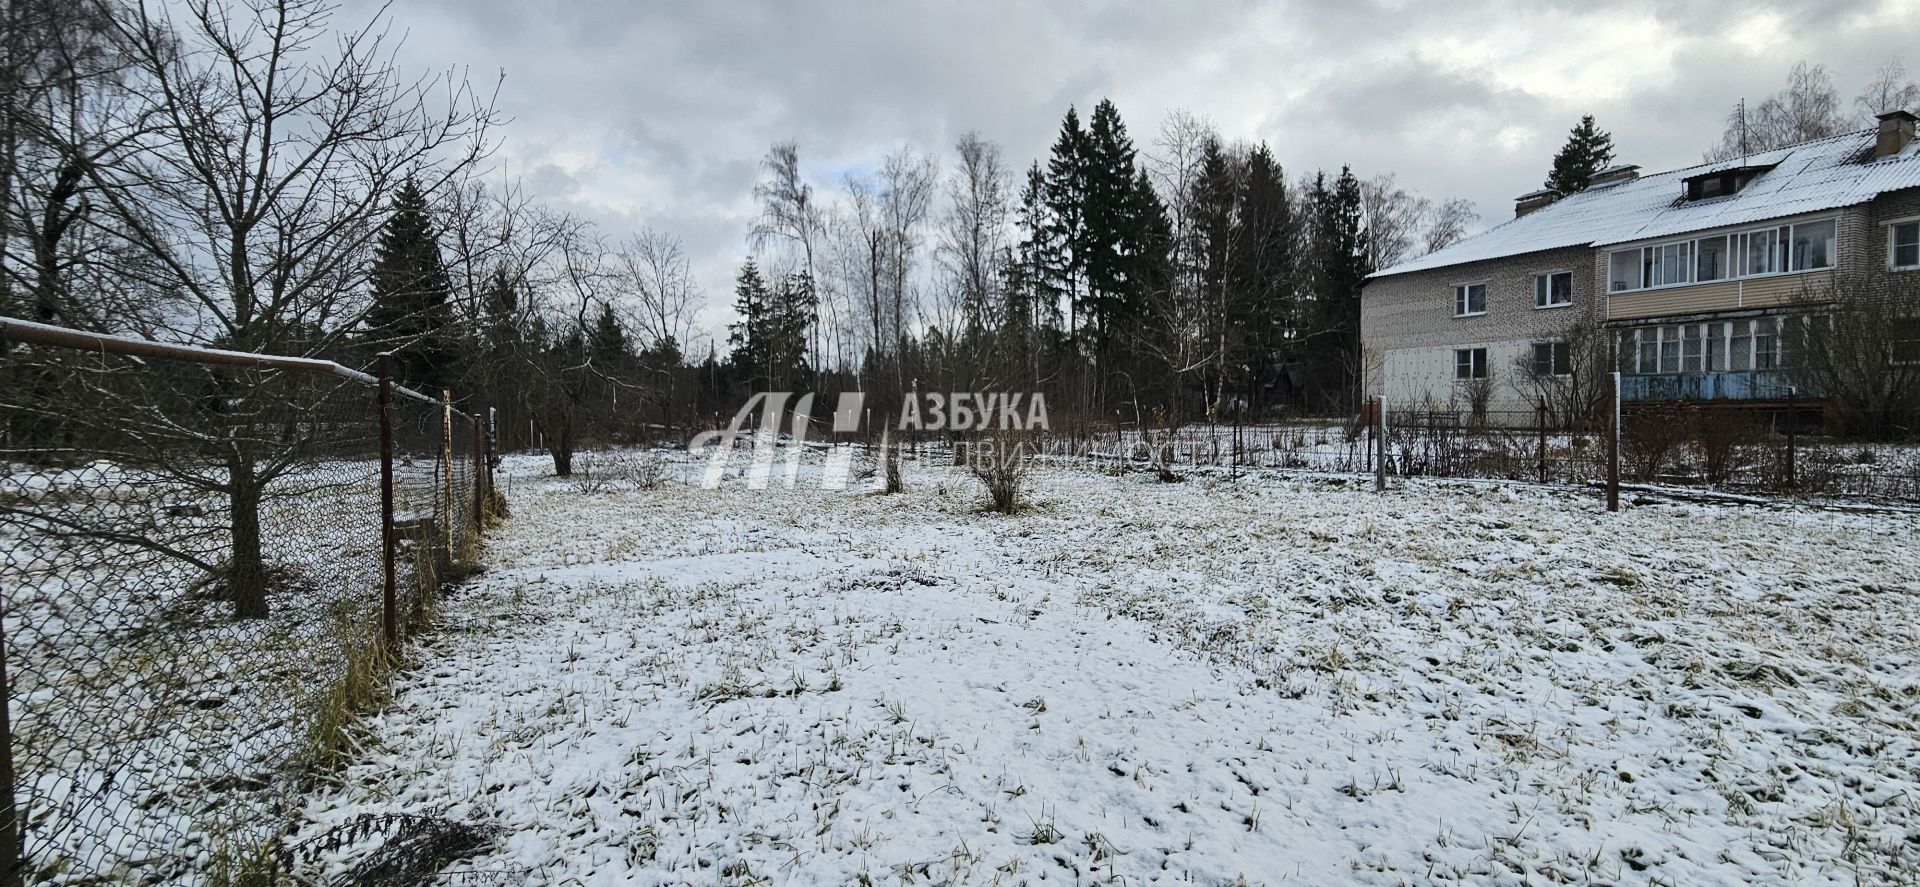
(1723, 436)
(1002, 464)
(1649, 438)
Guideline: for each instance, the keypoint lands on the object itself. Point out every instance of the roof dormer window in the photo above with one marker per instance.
(1721, 182)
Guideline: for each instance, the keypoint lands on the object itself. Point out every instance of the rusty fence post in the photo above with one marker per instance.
(389, 616)
(446, 469)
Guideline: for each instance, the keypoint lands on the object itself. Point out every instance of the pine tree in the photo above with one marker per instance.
(1588, 150)
(411, 313)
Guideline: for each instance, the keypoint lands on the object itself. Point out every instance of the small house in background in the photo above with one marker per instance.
(1680, 280)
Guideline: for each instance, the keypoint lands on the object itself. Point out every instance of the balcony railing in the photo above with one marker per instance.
(1737, 385)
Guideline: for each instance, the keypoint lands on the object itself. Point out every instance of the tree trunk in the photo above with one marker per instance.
(246, 569)
(560, 447)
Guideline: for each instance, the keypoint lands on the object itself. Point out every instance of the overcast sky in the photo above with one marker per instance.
(657, 113)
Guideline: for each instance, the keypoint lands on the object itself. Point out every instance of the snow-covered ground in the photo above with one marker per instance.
(1266, 679)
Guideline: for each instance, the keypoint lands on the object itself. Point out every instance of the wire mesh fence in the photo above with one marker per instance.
(1777, 451)
(194, 587)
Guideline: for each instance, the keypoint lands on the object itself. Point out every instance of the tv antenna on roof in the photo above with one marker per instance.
(1743, 130)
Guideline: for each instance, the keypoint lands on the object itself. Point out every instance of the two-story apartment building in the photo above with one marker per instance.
(1685, 277)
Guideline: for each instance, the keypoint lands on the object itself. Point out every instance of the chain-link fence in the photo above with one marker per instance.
(196, 593)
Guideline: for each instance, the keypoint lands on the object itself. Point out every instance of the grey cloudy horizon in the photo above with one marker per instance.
(657, 114)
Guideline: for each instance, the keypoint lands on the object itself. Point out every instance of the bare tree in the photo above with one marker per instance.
(1394, 219)
(1571, 377)
(258, 182)
(1891, 89)
(1449, 223)
(654, 269)
(974, 230)
(862, 259)
(1173, 162)
(1858, 342)
(790, 215)
(1807, 108)
(907, 179)
(67, 107)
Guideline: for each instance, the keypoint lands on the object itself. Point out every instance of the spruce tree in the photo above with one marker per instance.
(770, 340)
(411, 314)
(608, 345)
(1066, 200)
(1263, 268)
(1340, 266)
(1109, 232)
(750, 299)
(1588, 150)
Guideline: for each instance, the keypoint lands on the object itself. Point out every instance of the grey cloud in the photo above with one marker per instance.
(658, 113)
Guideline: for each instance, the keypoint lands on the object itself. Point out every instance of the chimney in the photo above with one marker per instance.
(1619, 172)
(1896, 130)
(1533, 200)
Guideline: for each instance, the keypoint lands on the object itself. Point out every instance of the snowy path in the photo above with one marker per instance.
(1270, 680)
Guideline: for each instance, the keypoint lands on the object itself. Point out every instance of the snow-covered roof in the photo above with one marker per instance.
(1808, 177)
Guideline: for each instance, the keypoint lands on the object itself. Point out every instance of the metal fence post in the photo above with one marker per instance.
(1613, 450)
(446, 467)
(1380, 444)
(389, 616)
(13, 867)
(1791, 453)
(1540, 419)
(479, 475)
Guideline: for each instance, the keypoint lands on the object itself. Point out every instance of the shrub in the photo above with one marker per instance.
(1723, 435)
(1002, 464)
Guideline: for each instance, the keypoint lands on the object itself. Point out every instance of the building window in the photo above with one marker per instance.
(1710, 259)
(1764, 251)
(1669, 349)
(1806, 246)
(1552, 359)
(1766, 344)
(1625, 271)
(1905, 244)
(1714, 347)
(1666, 264)
(1469, 299)
(1905, 347)
(1553, 290)
(1813, 245)
(1740, 345)
(1469, 363)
